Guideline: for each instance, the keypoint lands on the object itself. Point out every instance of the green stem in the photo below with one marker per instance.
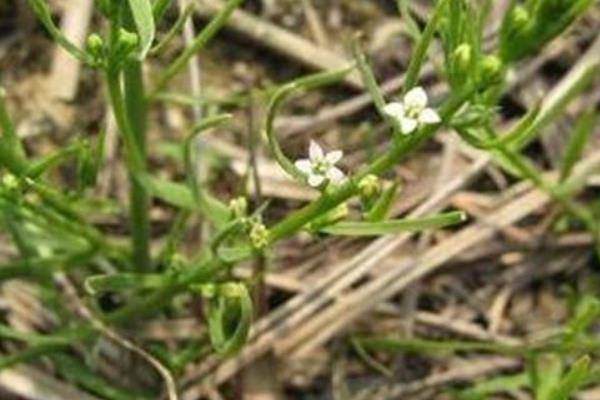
(198, 44)
(564, 199)
(130, 116)
(328, 201)
(12, 153)
(138, 196)
(139, 201)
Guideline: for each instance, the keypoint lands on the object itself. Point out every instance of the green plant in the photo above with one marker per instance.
(48, 224)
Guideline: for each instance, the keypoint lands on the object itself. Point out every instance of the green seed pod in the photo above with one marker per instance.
(127, 44)
(238, 207)
(490, 69)
(369, 187)
(259, 235)
(515, 35)
(10, 182)
(462, 57)
(519, 18)
(95, 48)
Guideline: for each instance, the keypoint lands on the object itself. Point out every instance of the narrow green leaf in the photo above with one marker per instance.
(44, 164)
(124, 281)
(9, 134)
(586, 312)
(159, 8)
(43, 13)
(395, 226)
(402, 345)
(175, 194)
(208, 205)
(572, 380)
(412, 28)
(368, 78)
(577, 141)
(545, 371)
(198, 43)
(141, 10)
(175, 29)
(420, 52)
(495, 385)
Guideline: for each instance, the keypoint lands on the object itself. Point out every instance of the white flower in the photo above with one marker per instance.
(412, 111)
(320, 166)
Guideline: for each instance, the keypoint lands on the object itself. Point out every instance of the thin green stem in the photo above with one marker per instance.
(561, 197)
(138, 196)
(328, 201)
(12, 154)
(130, 117)
(199, 42)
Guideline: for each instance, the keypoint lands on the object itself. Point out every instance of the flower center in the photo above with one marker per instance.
(413, 111)
(321, 166)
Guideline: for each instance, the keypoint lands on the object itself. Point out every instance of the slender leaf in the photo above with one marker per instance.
(141, 10)
(175, 194)
(368, 78)
(198, 43)
(159, 8)
(420, 52)
(572, 380)
(545, 371)
(395, 226)
(577, 141)
(124, 281)
(181, 19)
(209, 206)
(43, 13)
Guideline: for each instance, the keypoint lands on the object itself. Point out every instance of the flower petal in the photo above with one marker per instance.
(416, 97)
(395, 110)
(315, 152)
(429, 116)
(304, 165)
(334, 156)
(408, 125)
(335, 175)
(315, 180)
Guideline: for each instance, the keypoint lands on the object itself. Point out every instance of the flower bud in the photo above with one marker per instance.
(516, 34)
(238, 207)
(518, 18)
(259, 235)
(490, 69)
(127, 43)
(10, 182)
(95, 48)
(369, 187)
(463, 55)
(207, 290)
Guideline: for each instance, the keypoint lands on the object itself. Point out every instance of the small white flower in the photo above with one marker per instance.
(320, 166)
(412, 111)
